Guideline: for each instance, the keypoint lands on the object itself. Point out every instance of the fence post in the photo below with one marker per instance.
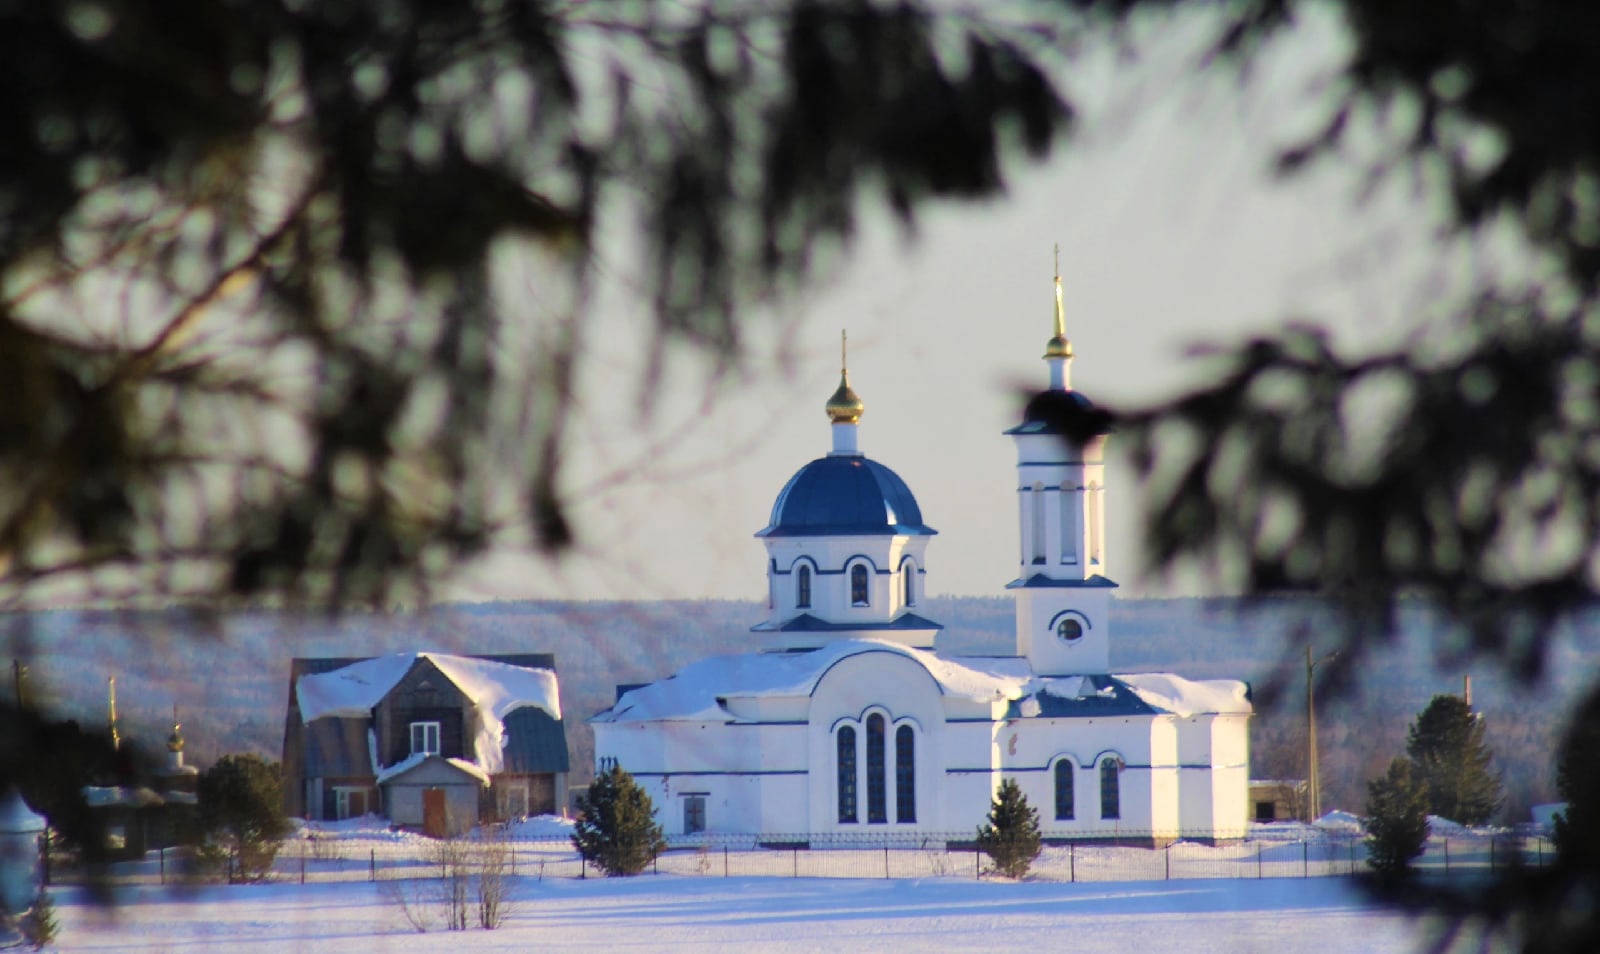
(302, 864)
(1072, 863)
(513, 861)
(1305, 859)
(1259, 850)
(583, 867)
(372, 864)
(886, 862)
(1169, 862)
(1352, 857)
(977, 866)
(795, 853)
(724, 861)
(654, 868)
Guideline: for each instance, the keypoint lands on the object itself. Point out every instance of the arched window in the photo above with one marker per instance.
(877, 789)
(1071, 503)
(847, 775)
(1064, 800)
(1096, 517)
(908, 571)
(802, 588)
(1038, 522)
(1111, 788)
(905, 775)
(858, 585)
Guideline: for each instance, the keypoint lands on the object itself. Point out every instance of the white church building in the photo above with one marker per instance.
(848, 724)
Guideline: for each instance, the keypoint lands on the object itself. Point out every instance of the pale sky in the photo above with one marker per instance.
(1173, 233)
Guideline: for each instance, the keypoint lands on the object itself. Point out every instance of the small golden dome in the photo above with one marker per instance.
(845, 407)
(1058, 347)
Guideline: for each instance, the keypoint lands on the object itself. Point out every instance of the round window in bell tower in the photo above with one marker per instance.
(1069, 630)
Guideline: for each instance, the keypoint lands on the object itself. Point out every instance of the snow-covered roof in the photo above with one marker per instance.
(105, 796)
(1185, 697)
(496, 689)
(417, 758)
(692, 694)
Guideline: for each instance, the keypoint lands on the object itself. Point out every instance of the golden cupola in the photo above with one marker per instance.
(845, 407)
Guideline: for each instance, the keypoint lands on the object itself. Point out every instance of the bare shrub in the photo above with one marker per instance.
(493, 882)
(455, 876)
(412, 899)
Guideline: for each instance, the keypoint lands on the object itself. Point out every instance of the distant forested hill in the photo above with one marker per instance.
(228, 676)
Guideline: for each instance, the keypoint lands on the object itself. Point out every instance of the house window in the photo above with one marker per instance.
(349, 802)
(909, 572)
(905, 775)
(802, 588)
(513, 801)
(1111, 788)
(858, 585)
(847, 775)
(1064, 799)
(425, 738)
(877, 787)
(694, 814)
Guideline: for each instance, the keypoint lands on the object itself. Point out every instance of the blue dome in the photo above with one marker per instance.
(845, 496)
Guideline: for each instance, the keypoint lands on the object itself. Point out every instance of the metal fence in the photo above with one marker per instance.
(924, 856)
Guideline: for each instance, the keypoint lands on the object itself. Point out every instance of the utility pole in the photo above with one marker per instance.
(1313, 782)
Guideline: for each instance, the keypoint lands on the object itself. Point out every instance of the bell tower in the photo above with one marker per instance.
(1062, 593)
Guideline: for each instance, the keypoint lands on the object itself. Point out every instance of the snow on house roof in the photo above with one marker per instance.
(353, 690)
(417, 758)
(694, 693)
(496, 689)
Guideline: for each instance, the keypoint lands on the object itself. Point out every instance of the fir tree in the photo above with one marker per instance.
(39, 925)
(1452, 761)
(616, 830)
(1397, 820)
(1011, 836)
(241, 815)
(1577, 827)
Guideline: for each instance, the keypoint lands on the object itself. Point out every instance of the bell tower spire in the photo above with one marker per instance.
(1058, 350)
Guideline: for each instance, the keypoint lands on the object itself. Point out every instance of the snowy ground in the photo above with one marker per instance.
(1239, 899)
(670, 913)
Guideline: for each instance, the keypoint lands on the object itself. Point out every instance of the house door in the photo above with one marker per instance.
(434, 819)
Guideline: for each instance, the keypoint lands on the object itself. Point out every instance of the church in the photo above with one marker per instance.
(847, 725)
